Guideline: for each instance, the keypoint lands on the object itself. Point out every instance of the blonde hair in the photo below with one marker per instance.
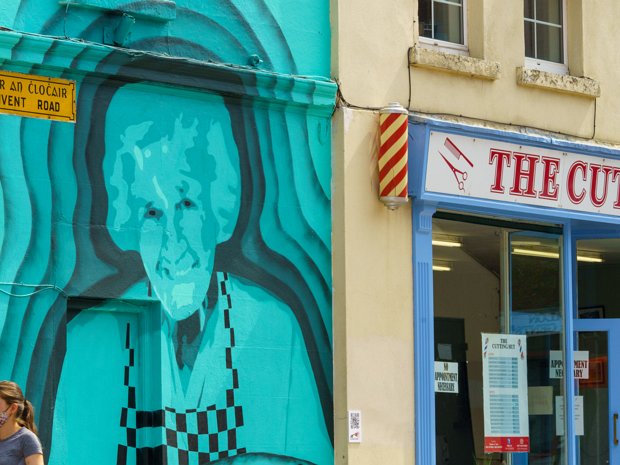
(12, 394)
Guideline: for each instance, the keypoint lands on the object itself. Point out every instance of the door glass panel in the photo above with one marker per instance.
(598, 312)
(482, 286)
(536, 310)
(598, 274)
(466, 264)
(594, 440)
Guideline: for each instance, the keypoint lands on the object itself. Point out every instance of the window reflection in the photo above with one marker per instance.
(441, 20)
(543, 30)
(491, 289)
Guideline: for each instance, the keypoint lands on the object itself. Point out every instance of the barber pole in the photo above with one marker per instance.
(393, 155)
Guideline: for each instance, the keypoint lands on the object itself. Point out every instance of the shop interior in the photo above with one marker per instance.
(494, 276)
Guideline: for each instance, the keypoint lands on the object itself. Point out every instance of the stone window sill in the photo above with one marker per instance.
(581, 86)
(453, 63)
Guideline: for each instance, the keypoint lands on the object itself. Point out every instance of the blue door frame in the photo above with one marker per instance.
(424, 330)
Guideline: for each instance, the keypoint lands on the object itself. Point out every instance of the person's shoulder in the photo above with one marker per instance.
(31, 445)
(28, 438)
(26, 433)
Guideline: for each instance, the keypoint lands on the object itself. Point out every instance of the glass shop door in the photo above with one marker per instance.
(596, 408)
(597, 336)
(536, 310)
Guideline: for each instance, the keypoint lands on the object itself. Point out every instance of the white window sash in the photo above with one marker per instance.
(551, 66)
(442, 45)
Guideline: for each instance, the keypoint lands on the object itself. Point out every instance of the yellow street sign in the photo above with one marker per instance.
(37, 96)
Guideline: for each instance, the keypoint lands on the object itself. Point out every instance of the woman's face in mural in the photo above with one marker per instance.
(176, 181)
(178, 232)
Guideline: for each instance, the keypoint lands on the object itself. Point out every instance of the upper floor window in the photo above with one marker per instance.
(545, 34)
(442, 21)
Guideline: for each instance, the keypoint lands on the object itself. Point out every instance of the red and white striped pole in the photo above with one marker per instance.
(393, 155)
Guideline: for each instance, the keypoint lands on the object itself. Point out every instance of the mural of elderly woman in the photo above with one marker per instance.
(237, 381)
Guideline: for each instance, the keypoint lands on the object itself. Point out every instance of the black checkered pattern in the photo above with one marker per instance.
(127, 451)
(194, 436)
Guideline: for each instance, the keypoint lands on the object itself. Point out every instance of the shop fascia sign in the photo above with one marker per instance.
(493, 170)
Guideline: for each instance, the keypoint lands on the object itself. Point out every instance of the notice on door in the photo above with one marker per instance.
(581, 364)
(577, 415)
(447, 377)
(504, 381)
(37, 96)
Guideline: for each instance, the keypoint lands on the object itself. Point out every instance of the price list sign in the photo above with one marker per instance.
(504, 373)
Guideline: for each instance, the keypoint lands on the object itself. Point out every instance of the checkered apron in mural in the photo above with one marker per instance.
(193, 436)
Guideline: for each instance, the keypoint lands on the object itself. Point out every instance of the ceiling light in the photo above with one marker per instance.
(535, 253)
(446, 243)
(547, 254)
(525, 243)
(439, 265)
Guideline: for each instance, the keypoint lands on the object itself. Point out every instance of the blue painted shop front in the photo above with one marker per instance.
(515, 233)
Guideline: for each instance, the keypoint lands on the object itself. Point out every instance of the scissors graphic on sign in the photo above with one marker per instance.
(456, 172)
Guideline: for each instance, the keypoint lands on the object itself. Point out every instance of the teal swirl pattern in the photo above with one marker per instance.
(246, 66)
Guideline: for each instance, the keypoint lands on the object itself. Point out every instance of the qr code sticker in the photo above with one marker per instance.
(355, 426)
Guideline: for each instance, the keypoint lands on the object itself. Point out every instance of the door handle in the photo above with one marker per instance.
(615, 429)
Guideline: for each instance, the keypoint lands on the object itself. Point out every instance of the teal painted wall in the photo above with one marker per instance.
(290, 36)
(165, 262)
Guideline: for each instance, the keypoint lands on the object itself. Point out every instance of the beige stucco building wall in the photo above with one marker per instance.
(377, 59)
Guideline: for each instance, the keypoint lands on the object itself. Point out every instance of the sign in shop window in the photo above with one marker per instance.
(577, 415)
(581, 364)
(447, 377)
(504, 379)
(508, 401)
